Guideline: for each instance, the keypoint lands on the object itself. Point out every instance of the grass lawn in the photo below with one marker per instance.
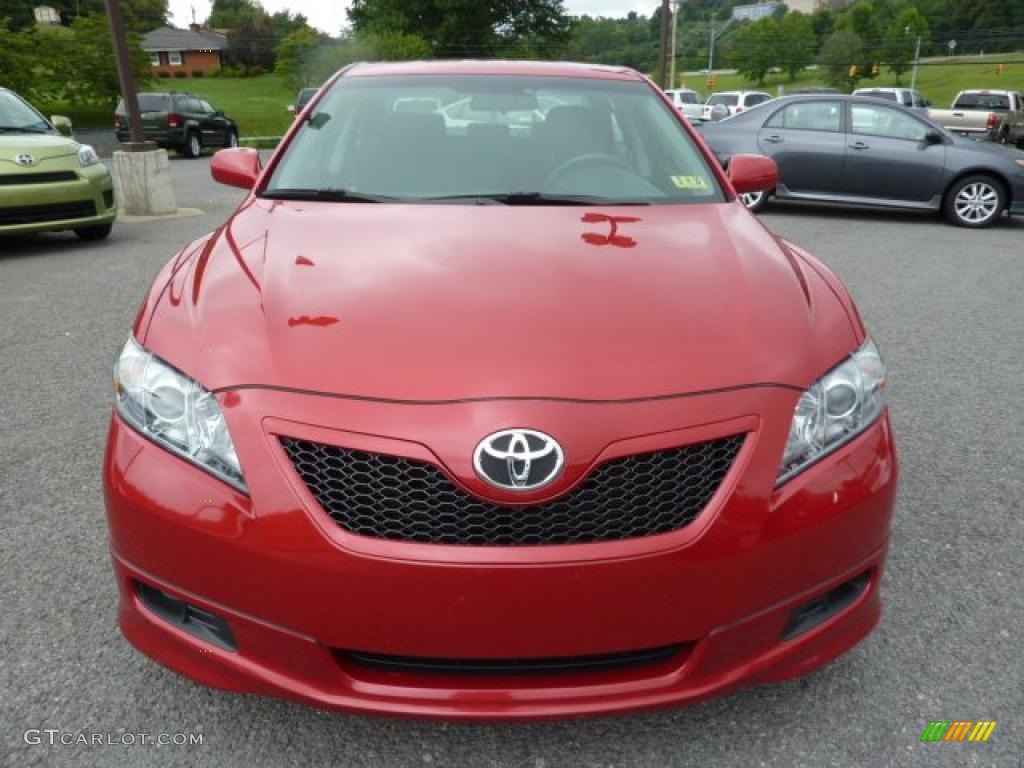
(938, 81)
(257, 104)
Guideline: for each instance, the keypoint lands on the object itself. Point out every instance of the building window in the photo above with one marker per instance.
(174, 58)
(154, 59)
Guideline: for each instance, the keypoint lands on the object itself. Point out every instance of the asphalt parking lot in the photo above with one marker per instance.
(944, 305)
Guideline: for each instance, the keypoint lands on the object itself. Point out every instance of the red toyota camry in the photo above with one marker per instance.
(493, 401)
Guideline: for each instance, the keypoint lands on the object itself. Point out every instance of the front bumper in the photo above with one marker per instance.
(298, 592)
(87, 201)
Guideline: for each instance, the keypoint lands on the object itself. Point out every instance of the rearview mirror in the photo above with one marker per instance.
(236, 167)
(62, 124)
(753, 173)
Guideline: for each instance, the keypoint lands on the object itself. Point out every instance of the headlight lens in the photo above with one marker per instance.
(837, 407)
(176, 412)
(87, 156)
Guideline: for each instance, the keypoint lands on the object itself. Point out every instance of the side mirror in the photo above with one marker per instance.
(753, 173)
(218, 113)
(236, 167)
(62, 124)
(927, 102)
(933, 137)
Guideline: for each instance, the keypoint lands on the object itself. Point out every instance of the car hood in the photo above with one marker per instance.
(441, 302)
(43, 147)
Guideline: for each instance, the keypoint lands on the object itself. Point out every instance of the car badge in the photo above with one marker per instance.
(518, 459)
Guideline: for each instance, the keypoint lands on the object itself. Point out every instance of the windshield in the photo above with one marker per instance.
(982, 101)
(18, 116)
(504, 139)
(726, 99)
(884, 95)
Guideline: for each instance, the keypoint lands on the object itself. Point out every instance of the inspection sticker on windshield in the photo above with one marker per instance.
(690, 182)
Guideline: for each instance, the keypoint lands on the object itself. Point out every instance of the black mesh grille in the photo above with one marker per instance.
(388, 497)
(34, 214)
(51, 177)
(562, 665)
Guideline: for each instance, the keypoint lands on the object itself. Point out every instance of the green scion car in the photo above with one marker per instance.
(49, 182)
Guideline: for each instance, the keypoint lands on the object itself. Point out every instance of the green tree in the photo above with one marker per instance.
(843, 49)
(78, 64)
(16, 15)
(139, 15)
(293, 53)
(796, 44)
(862, 19)
(902, 40)
(757, 49)
(17, 60)
(465, 27)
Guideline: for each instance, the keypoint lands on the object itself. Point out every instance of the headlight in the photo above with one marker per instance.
(839, 406)
(87, 156)
(175, 412)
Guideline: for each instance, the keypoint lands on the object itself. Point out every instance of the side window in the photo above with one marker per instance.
(871, 120)
(205, 106)
(907, 100)
(809, 116)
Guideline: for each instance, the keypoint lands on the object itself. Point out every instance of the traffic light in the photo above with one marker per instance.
(712, 82)
(1000, 69)
(875, 69)
(854, 71)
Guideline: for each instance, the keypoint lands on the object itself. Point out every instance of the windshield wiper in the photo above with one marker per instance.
(536, 198)
(328, 194)
(22, 129)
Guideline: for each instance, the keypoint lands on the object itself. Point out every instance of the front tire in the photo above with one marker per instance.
(193, 145)
(754, 201)
(101, 232)
(232, 139)
(975, 202)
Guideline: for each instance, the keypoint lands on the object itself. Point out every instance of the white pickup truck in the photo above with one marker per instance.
(993, 115)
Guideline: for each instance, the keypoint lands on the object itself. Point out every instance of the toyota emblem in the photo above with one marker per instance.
(25, 159)
(518, 459)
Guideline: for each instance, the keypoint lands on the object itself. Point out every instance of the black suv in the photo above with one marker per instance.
(180, 121)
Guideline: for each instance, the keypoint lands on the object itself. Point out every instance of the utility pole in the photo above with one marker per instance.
(663, 44)
(711, 45)
(126, 77)
(672, 59)
(917, 58)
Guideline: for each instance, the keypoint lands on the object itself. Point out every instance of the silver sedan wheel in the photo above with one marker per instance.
(752, 199)
(977, 202)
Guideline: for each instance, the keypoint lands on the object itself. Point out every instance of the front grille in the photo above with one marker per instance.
(10, 179)
(388, 497)
(558, 665)
(34, 214)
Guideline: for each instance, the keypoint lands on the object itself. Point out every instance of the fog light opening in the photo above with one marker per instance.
(824, 607)
(197, 621)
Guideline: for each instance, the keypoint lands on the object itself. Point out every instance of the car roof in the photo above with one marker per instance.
(496, 67)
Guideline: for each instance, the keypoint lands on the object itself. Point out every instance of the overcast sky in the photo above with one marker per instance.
(330, 17)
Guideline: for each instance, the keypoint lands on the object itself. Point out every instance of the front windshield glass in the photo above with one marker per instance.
(16, 115)
(474, 138)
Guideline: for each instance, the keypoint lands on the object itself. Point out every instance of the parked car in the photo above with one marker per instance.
(497, 425)
(993, 115)
(906, 97)
(49, 182)
(689, 102)
(859, 151)
(734, 101)
(304, 96)
(180, 121)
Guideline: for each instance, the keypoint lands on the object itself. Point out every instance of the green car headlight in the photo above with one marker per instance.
(87, 156)
(835, 409)
(175, 412)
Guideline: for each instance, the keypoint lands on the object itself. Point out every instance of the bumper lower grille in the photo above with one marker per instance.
(35, 214)
(560, 665)
(389, 497)
(11, 179)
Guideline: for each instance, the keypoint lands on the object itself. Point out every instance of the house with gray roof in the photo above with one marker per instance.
(180, 52)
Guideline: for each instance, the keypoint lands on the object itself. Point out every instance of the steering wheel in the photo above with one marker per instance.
(591, 158)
